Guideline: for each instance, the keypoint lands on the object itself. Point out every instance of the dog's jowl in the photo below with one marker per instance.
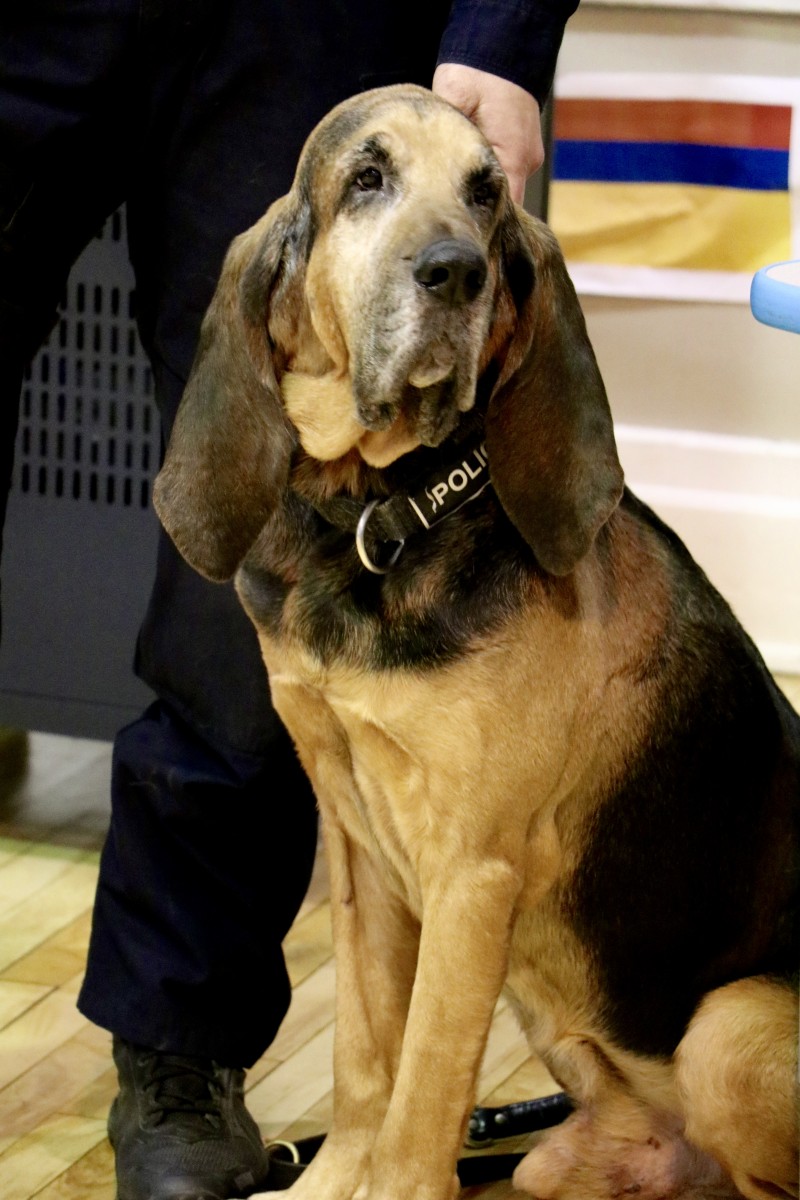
(547, 757)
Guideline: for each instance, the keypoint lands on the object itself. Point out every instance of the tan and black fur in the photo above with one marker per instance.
(546, 755)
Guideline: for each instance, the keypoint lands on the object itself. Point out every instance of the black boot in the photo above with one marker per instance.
(180, 1130)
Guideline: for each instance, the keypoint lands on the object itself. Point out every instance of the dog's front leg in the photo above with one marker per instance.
(376, 942)
(466, 928)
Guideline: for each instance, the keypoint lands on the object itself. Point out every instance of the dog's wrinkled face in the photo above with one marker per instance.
(401, 278)
(356, 317)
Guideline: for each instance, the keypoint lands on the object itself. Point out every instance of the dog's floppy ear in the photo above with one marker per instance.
(549, 435)
(229, 450)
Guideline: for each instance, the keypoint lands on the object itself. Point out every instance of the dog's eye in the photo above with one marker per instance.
(485, 193)
(370, 180)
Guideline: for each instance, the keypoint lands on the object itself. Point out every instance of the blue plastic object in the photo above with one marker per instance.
(775, 296)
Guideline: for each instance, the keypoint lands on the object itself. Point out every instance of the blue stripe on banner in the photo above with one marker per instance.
(672, 162)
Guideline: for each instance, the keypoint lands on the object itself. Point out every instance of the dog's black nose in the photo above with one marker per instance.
(452, 269)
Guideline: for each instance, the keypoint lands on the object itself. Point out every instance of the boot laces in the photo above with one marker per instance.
(178, 1086)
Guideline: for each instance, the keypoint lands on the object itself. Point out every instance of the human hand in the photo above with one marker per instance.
(507, 116)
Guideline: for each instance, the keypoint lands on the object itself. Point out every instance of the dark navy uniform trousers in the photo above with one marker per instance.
(194, 112)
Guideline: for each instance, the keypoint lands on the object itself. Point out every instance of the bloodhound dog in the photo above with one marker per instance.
(546, 756)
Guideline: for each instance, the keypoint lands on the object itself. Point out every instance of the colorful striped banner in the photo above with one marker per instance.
(659, 192)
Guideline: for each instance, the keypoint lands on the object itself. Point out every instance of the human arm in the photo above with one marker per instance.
(497, 60)
(505, 113)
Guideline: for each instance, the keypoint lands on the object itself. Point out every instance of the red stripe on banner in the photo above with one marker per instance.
(698, 122)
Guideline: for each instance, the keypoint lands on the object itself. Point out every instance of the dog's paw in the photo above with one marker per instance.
(582, 1161)
(335, 1172)
(421, 1189)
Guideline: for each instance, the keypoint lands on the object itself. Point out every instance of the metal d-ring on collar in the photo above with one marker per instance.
(363, 554)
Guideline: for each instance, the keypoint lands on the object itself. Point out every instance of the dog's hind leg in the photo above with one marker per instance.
(616, 1144)
(621, 1151)
(737, 1075)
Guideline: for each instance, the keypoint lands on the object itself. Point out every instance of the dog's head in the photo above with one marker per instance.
(357, 316)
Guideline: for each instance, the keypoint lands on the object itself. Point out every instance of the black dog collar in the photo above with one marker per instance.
(455, 482)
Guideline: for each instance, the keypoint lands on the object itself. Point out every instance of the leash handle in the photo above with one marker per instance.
(487, 1125)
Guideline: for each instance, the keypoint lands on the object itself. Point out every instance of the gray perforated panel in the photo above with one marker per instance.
(88, 428)
(80, 533)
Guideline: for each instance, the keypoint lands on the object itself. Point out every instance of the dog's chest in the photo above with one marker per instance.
(371, 748)
(426, 769)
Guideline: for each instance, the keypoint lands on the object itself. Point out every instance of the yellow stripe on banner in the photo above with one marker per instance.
(670, 225)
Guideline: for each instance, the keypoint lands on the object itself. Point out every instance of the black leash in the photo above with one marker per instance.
(288, 1160)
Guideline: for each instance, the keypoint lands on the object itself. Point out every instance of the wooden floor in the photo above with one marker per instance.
(56, 1075)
